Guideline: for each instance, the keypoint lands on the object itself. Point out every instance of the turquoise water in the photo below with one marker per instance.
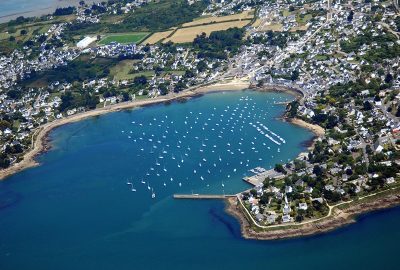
(77, 211)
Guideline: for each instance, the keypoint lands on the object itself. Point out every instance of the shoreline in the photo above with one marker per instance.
(41, 10)
(40, 136)
(338, 219)
(40, 142)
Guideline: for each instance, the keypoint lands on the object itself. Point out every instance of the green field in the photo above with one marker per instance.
(124, 38)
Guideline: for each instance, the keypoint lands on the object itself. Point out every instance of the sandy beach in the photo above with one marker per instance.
(317, 130)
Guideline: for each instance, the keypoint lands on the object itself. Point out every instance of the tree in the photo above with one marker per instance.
(264, 199)
(4, 124)
(367, 106)
(11, 38)
(23, 32)
(350, 17)
(140, 80)
(388, 78)
(163, 89)
(179, 86)
(295, 75)
(317, 170)
(4, 160)
(279, 168)
(201, 66)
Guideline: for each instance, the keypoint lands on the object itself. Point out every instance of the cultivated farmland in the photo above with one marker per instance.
(207, 20)
(156, 37)
(184, 35)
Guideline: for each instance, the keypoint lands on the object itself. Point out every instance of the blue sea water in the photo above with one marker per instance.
(10, 9)
(76, 210)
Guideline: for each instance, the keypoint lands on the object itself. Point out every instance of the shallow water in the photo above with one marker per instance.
(77, 211)
(10, 9)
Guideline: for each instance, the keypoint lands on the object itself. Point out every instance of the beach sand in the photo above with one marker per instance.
(317, 130)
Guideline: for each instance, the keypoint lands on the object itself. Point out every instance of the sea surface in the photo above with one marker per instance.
(10, 9)
(86, 207)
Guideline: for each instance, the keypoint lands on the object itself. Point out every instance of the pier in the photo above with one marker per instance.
(202, 196)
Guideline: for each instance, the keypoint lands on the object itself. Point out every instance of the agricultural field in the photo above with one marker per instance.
(156, 37)
(135, 37)
(299, 28)
(188, 34)
(249, 14)
(276, 27)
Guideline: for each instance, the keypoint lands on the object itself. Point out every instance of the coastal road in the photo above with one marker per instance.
(331, 207)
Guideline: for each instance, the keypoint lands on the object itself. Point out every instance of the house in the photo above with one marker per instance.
(308, 190)
(389, 180)
(329, 188)
(271, 219)
(303, 206)
(288, 189)
(7, 131)
(286, 219)
(286, 209)
(259, 217)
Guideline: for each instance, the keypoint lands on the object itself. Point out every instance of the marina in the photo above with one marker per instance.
(115, 200)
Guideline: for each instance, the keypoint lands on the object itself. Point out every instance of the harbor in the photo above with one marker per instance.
(203, 196)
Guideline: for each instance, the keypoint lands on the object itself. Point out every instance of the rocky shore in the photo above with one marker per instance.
(339, 218)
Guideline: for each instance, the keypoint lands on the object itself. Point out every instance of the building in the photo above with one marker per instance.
(84, 43)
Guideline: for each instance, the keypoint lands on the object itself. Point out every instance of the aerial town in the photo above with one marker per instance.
(342, 57)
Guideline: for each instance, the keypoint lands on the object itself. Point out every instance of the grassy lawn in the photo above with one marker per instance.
(286, 13)
(121, 71)
(303, 19)
(321, 57)
(135, 37)
(31, 30)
